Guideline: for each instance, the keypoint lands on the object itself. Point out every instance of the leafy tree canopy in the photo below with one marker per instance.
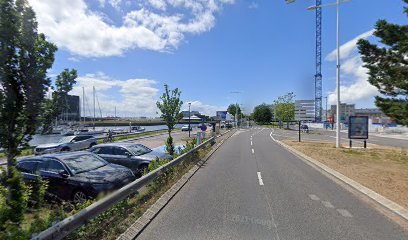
(285, 107)
(55, 106)
(388, 68)
(170, 106)
(262, 113)
(232, 108)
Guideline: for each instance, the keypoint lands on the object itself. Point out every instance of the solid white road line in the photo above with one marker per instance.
(260, 178)
(253, 151)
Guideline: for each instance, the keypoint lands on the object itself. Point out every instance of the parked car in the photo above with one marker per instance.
(134, 156)
(305, 128)
(75, 176)
(186, 128)
(70, 143)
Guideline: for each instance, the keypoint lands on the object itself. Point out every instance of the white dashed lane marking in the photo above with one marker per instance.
(314, 197)
(253, 151)
(344, 212)
(260, 178)
(327, 204)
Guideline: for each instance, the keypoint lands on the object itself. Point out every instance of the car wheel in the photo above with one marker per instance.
(79, 197)
(92, 144)
(65, 149)
(141, 170)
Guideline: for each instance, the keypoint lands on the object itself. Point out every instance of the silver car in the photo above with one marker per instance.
(70, 143)
(134, 156)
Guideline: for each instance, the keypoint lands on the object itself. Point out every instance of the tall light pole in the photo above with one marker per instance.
(337, 3)
(189, 119)
(236, 108)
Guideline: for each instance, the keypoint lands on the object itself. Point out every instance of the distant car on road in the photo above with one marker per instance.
(134, 156)
(304, 128)
(70, 143)
(75, 176)
(186, 128)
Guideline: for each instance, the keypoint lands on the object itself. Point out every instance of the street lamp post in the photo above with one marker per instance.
(189, 119)
(337, 3)
(236, 108)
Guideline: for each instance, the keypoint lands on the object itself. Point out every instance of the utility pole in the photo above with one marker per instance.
(94, 115)
(326, 109)
(338, 76)
(236, 108)
(189, 119)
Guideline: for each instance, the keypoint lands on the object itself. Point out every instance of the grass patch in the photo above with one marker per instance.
(382, 169)
(24, 152)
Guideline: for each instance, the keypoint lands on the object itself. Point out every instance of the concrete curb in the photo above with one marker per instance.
(136, 228)
(383, 201)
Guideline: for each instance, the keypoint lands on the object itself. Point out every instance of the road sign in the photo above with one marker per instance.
(203, 127)
(358, 127)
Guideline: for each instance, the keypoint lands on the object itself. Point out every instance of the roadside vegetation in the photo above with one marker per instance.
(169, 106)
(126, 212)
(382, 169)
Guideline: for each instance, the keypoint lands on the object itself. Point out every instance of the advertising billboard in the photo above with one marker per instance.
(221, 115)
(358, 127)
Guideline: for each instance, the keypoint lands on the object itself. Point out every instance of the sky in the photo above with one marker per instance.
(217, 52)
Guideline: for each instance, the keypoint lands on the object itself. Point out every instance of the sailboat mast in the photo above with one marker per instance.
(83, 104)
(94, 107)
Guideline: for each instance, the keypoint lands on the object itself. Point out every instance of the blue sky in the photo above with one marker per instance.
(208, 48)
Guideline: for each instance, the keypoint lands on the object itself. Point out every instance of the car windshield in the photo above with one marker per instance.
(66, 139)
(83, 163)
(138, 149)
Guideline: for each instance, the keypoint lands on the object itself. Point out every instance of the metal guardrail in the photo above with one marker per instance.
(68, 225)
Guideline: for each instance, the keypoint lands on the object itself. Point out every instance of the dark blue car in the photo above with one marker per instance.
(75, 176)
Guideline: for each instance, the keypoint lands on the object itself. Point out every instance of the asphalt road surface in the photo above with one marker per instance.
(325, 135)
(255, 189)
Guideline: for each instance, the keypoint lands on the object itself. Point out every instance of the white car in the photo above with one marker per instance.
(186, 128)
(71, 143)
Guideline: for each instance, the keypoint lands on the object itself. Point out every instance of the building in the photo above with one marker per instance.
(346, 110)
(375, 114)
(72, 110)
(304, 110)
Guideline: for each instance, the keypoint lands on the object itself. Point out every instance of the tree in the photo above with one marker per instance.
(232, 108)
(25, 57)
(285, 108)
(262, 114)
(170, 106)
(388, 68)
(58, 103)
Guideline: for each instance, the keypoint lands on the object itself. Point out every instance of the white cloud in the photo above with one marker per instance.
(253, 5)
(348, 48)
(354, 85)
(158, 4)
(86, 32)
(203, 108)
(131, 97)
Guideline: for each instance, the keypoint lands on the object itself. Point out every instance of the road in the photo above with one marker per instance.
(255, 189)
(325, 135)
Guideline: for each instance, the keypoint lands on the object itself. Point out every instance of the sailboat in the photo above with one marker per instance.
(82, 130)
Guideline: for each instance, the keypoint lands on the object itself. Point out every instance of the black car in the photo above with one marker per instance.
(75, 176)
(134, 156)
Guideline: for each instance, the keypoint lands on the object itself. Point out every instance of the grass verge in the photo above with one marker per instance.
(382, 169)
